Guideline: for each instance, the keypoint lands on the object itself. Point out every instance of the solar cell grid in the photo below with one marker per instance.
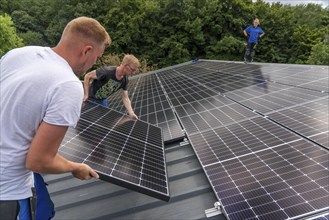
(193, 70)
(276, 186)
(205, 117)
(181, 96)
(118, 122)
(321, 139)
(151, 105)
(252, 135)
(122, 151)
(229, 67)
(268, 184)
(223, 80)
(309, 119)
(270, 97)
(309, 75)
(210, 65)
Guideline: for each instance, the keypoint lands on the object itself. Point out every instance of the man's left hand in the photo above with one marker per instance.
(133, 116)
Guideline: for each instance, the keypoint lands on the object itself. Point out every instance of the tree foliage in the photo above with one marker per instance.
(319, 54)
(8, 37)
(168, 32)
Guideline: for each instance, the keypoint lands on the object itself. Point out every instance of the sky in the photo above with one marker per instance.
(324, 3)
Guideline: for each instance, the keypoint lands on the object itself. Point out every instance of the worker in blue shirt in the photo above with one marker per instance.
(253, 33)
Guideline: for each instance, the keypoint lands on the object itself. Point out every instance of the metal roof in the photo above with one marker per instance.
(191, 193)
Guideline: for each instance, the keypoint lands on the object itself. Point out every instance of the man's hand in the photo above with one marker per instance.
(84, 172)
(133, 116)
(85, 98)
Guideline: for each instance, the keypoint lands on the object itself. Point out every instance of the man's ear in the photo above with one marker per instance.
(87, 49)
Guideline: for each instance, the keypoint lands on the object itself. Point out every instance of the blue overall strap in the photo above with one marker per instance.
(45, 207)
(24, 209)
(104, 103)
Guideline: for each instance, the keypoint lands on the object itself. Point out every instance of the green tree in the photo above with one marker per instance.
(33, 38)
(310, 15)
(23, 21)
(167, 32)
(302, 41)
(8, 37)
(228, 48)
(319, 54)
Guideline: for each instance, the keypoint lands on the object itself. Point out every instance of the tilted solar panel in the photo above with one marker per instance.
(122, 151)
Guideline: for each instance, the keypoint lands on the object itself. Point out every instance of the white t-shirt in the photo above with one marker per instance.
(36, 85)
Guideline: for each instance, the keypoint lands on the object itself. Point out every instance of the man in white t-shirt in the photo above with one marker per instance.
(41, 97)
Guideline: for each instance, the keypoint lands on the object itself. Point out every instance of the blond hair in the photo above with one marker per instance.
(130, 59)
(88, 29)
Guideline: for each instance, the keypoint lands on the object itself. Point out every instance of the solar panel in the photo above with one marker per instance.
(182, 90)
(252, 128)
(260, 131)
(238, 139)
(151, 105)
(279, 183)
(309, 119)
(228, 76)
(321, 217)
(122, 151)
(223, 78)
(214, 118)
(269, 97)
(303, 76)
(284, 182)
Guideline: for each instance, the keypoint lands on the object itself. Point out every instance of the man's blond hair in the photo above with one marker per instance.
(88, 29)
(130, 59)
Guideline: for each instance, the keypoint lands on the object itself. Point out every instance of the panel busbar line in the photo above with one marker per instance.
(122, 151)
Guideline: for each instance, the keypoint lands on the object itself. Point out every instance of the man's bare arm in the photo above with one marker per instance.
(89, 77)
(127, 104)
(43, 154)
